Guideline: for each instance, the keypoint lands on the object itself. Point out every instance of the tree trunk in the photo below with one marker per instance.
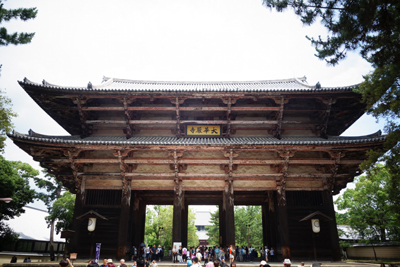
(52, 257)
(383, 234)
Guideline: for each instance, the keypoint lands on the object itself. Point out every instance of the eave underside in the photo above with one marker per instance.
(275, 113)
(201, 168)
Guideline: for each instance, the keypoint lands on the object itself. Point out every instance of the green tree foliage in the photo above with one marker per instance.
(371, 28)
(213, 229)
(158, 229)
(62, 212)
(52, 192)
(6, 115)
(7, 236)
(368, 207)
(248, 227)
(52, 188)
(14, 183)
(6, 15)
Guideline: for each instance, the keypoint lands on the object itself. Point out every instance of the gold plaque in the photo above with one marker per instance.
(203, 130)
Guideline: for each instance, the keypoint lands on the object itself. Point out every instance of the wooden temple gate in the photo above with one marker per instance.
(135, 143)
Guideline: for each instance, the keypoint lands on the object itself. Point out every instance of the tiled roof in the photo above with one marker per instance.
(166, 140)
(120, 85)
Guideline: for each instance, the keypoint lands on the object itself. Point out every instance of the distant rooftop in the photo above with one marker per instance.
(31, 225)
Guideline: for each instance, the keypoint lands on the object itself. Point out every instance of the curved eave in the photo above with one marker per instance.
(244, 141)
(112, 85)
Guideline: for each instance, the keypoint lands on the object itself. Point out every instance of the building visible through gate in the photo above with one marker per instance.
(134, 143)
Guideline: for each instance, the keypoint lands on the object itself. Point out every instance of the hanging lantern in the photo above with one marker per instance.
(91, 224)
(315, 225)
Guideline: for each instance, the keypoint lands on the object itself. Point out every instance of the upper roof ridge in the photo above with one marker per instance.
(296, 79)
(116, 84)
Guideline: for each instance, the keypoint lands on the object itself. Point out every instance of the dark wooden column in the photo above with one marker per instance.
(266, 226)
(138, 221)
(179, 200)
(282, 209)
(222, 232)
(271, 220)
(229, 219)
(185, 221)
(336, 255)
(124, 218)
(284, 231)
(177, 219)
(76, 225)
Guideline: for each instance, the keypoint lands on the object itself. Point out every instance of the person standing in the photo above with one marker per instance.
(266, 253)
(222, 263)
(272, 254)
(174, 254)
(199, 256)
(196, 262)
(110, 263)
(104, 263)
(122, 263)
(231, 256)
(148, 253)
(153, 252)
(184, 254)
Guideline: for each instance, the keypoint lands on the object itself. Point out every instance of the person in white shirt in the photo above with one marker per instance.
(196, 262)
(199, 256)
(266, 253)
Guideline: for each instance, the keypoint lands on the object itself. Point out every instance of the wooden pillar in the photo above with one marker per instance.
(124, 219)
(76, 225)
(185, 221)
(283, 225)
(222, 232)
(138, 221)
(272, 220)
(336, 254)
(177, 218)
(266, 227)
(282, 209)
(229, 220)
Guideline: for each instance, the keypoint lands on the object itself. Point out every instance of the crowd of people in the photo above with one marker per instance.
(241, 254)
(191, 257)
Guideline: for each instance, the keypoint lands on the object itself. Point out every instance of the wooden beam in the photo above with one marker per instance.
(208, 161)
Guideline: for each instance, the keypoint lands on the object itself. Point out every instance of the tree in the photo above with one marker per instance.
(213, 229)
(14, 184)
(62, 212)
(9, 14)
(372, 28)
(248, 226)
(6, 116)
(52, 192)
(7, 236)
(368, 207)
(158, 228)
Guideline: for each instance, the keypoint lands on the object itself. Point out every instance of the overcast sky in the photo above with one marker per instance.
(204, 40)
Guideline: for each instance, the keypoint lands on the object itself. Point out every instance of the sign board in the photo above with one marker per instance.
(73, 256)
(203, 130)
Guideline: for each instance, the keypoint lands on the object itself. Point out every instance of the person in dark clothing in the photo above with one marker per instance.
(153, 253)
(223, 264)
(13, 259)
(92, 264)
